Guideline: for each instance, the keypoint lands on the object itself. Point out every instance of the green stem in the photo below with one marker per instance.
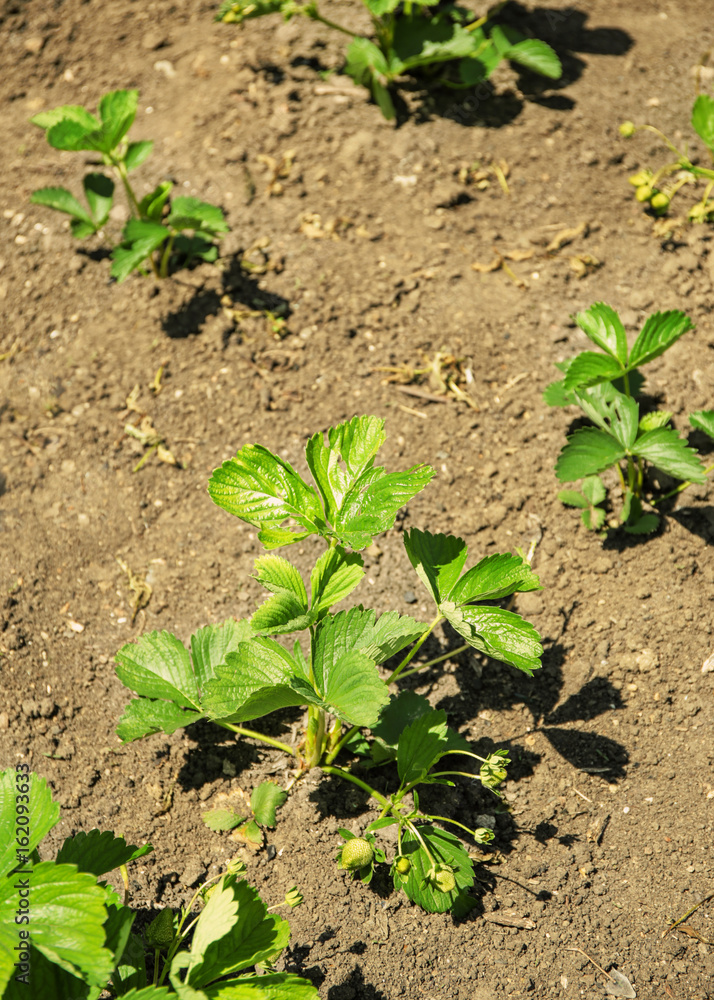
(339, 773)
(314, 16)
(338, 746)
(165, 257)
(398, 671)
(415, 831)
(445, 819)
(682, 486)
(315, 743)
(121, 170)
(242, 731)
(437, 659)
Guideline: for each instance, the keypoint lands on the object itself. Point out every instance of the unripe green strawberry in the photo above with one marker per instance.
(160, 932)
(627, 129)
(356, 854)
(640, 178)
(443, 879)
(404, 865)
(644, 192)
(660, 203)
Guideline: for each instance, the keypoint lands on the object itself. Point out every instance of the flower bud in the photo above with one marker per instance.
(235, 867)
(483, 835)
(627, 129)
(160, 932)
(356, 854)
(640, 178)
(644, 192)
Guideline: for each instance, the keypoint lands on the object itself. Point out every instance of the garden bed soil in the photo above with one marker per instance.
(368, 257)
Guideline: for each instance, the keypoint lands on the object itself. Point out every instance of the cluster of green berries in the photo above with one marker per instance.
(646, 192)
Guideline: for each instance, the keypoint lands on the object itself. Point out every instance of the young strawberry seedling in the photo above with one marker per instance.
(66, 934)
(656, 189)
(412, 38)
(238, 671)
(163, 233)
(605, 385)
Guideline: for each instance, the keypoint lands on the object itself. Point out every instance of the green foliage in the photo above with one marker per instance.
(241, 671)
(78, 937)
(604, 387)
(156, 233)
(415, 38)
(655, 190)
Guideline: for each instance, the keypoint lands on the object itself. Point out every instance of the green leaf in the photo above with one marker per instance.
(279, 576)
(192, 213)
(587, 452)
(45, 979)
(72, 112)
(644, 525)
(62, 201)
(424, 742)
(233, 932)
(258, 678)
(368, 66)
(494, 577)
(99, 852)
(71, 134)
(657, 335)
(145, 717)
(286, 611)
(665, 449)
(536, 56)
(274, 986)
(437, 559)
(42, 815)
(445, 849)
(572, 498)
(130, 973)
(117, 110)
(148, 993)
(422, 41)
(350, 450)
(556, 395)
(612, 412)
(334, 576)
(67, 916)
(220, 820)
(353, 690)
(211, 644)
(136, 153)
(262, 489)
(402, 710)
(593, 518)
(651, 421)
(589, 368)
(371, 503)
(266, 798)
(594, 490)
(139, 240)
(703, 420)
(99, 192)
(499, 634)
(357, 630)
(703, 119)
(603, 326)
(158, 665)
(152, 204)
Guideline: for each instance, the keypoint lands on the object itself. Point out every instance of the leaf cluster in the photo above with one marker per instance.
(604, 385)
(160, 230)
(416, 38)
(240, 671)
(81, 940)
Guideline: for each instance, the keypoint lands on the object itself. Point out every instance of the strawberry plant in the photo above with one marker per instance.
(240, 671)
(68, 935)
(605, 385)
(415, 37)
(162, 233)
(655, 189)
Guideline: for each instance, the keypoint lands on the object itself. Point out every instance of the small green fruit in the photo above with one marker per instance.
(160, 932)
(640, 178)
(627, 129)
(356, 854)
(660, 203)
(403, 865)
(443, 879)
(644, 192)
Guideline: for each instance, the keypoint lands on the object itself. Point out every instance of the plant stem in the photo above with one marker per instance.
(412, 652)
(315, 742)
(314, 16)
(242, 731)
(163, 269)
(120, 168)
(682, 486)
(339, 773)
(445, 819)
(437, 659)
(338, 746)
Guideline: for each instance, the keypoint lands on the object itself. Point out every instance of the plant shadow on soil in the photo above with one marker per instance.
(188, 317)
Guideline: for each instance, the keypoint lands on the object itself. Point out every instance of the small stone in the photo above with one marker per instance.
(647, 660)
(31, 709)
(374, 551)
(153, 40)
(34, 44)
(446, 194)
(410, 597)
(4, 722)
(489, 469)
(434, 222)
(166, 67)
(529, 604)
(47, 708)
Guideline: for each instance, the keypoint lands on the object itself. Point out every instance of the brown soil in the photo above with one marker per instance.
(609, 835)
